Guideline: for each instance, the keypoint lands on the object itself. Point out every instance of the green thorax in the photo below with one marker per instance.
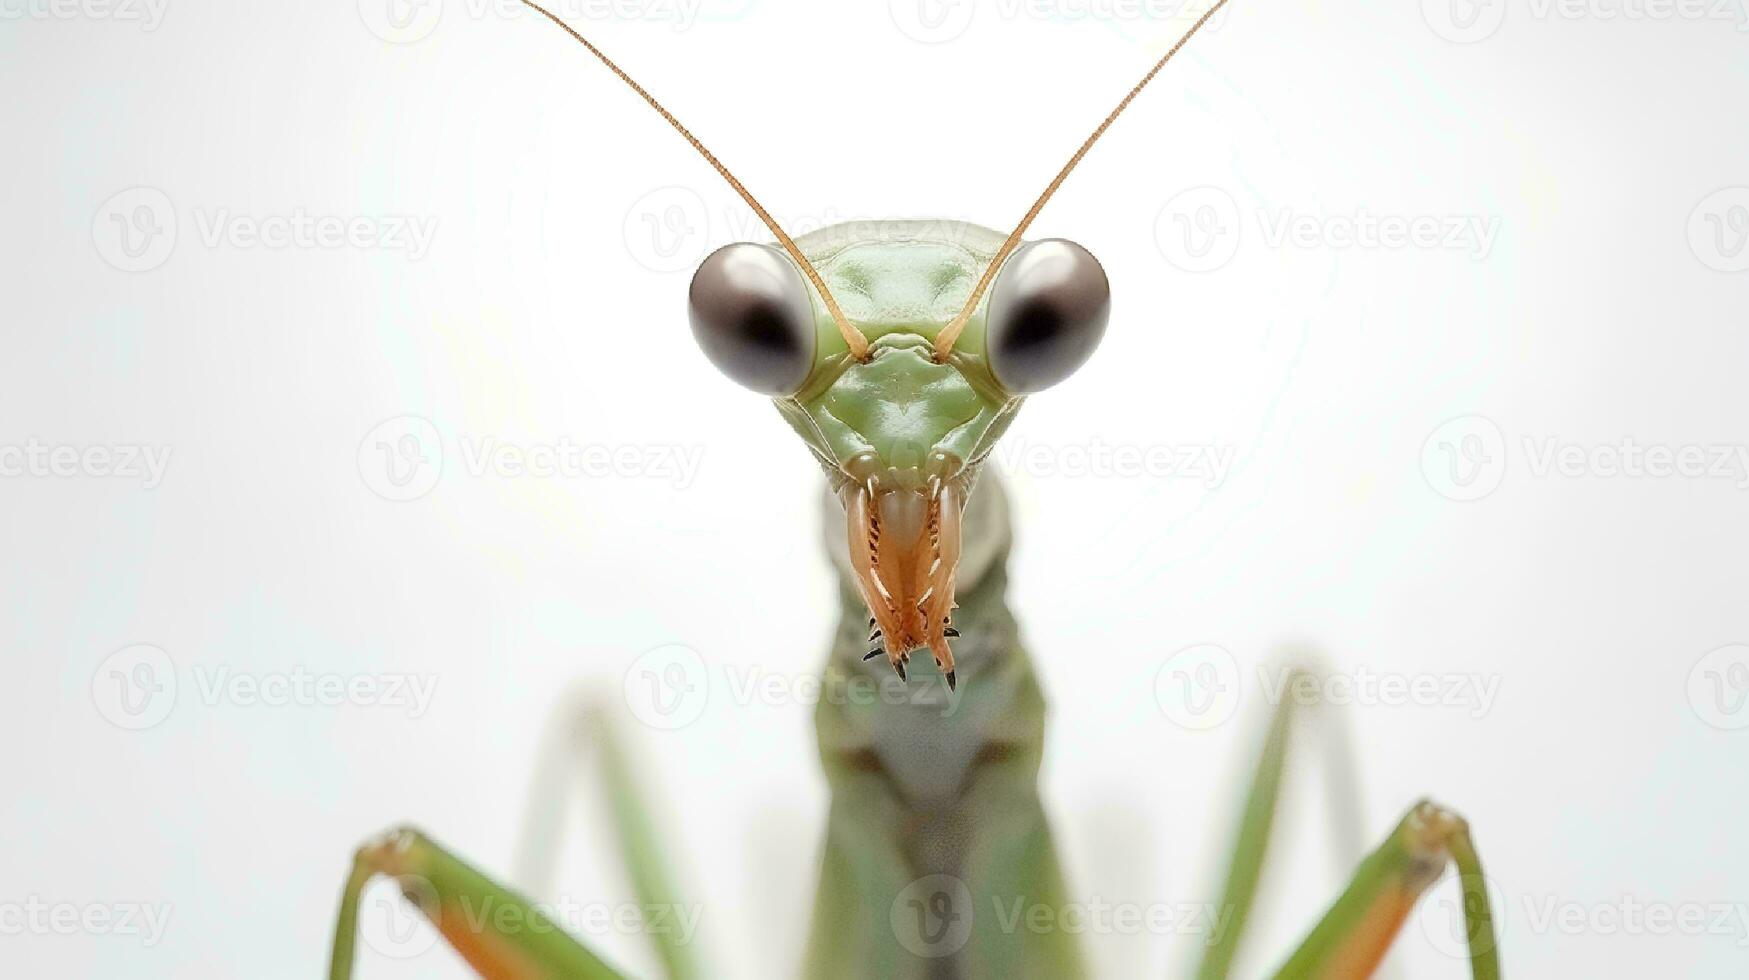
(900, 283)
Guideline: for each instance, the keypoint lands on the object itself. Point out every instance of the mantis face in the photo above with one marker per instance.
(943, 330)
(902, 428)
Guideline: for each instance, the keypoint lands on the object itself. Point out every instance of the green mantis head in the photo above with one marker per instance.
(899, 412)
(943, 328)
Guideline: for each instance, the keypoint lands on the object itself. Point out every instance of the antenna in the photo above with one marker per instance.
(852, 336)
(944, 341)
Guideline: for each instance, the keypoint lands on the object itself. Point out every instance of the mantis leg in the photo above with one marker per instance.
(1245, 867)
(500, 934)
(1357, 931)
(582, 731)
(498, 931)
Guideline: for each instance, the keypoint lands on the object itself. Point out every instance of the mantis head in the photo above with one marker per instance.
(901, 396)
(901, 429)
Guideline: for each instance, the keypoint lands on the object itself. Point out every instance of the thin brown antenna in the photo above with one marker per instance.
(852, 336)
(944, 341)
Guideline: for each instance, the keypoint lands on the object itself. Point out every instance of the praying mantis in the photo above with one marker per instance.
(899, 352)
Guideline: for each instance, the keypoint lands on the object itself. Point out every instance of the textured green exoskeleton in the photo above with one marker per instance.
(899, 352)
(901, 432)
(901, 282)
(935, 816)
(935, 827)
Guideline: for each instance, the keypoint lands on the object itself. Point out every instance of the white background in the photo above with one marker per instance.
(1610, 306)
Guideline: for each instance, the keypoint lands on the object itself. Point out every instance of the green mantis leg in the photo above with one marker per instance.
(1358, 929)
(499, 933)
(583, 733)
(1245, 868)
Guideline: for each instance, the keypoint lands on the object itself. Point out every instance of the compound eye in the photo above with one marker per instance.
(1048, 311)
(752, 316)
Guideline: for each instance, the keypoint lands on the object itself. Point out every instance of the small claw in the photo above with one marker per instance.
(877, 651)
(899, 665)
(951, 633)
(952, 682)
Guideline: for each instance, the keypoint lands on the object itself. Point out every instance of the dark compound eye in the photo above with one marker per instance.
(753, 317)
(1048, 311)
